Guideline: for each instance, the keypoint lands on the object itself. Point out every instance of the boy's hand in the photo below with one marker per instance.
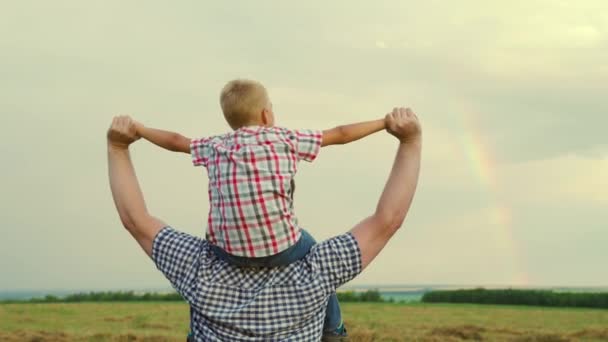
(403, 124)
(138, 128)
(122, 132)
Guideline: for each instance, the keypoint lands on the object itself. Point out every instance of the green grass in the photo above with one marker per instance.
(96, 321)
(365, 321)
(446, 322)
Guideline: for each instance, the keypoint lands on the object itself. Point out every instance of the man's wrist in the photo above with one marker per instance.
(415, 140)
(115, 146)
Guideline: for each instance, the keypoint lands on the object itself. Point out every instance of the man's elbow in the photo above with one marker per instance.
(127, 222)
(132, 222)
(390, 221)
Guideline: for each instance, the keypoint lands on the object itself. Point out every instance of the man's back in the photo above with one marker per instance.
(250, 172)
(269, 304)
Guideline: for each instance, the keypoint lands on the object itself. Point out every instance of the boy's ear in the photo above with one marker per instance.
(266, 119)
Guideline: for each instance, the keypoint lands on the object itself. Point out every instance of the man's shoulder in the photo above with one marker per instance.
(337, 260)
(344, 243)
(342, 249)
(172, 239)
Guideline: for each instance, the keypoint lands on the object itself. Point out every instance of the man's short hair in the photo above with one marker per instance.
(242, 101)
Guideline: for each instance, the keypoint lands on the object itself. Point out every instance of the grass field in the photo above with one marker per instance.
(365, 321)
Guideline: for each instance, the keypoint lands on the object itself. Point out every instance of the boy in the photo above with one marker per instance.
(251, 169)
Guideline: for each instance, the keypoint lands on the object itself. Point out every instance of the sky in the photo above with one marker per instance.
(511, 96)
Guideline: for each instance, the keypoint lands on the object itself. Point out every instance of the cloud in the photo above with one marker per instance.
(565, 179)
(525, 80)
(381, 44)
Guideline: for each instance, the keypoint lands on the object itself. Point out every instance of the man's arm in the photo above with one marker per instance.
(126, 192)
(374, 232)
(349, 133)
(168, 140)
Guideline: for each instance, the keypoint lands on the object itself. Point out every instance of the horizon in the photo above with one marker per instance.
(27, 294)
(343, 288)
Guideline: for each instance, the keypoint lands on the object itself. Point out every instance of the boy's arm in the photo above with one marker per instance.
(349, 133)
(168, 140)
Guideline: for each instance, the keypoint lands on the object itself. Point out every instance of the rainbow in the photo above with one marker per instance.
(483, 167)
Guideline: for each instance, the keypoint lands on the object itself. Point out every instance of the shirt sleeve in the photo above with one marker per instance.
(199, 151)
(308, 143)
(338, 260)
(179, 257)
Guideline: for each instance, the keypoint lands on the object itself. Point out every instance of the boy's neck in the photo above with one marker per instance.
(257, 124)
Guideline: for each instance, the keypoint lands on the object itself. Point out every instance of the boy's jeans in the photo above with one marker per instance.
(333, 317)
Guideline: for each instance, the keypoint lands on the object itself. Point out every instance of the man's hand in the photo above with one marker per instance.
(403, 124)
(122, 132)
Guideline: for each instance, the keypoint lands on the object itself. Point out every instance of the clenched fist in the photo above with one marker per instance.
(403, 124)
(122, 132)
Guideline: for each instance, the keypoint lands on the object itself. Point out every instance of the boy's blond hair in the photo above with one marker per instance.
(242, 102)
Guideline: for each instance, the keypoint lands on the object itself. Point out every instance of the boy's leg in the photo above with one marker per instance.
(295, 252)
(286, 257)
(333, 325)
(333, 316)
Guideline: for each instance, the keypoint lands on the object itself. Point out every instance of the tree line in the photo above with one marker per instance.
(519, 297)
(131, 296)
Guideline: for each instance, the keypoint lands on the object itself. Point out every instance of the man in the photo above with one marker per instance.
(272, 304)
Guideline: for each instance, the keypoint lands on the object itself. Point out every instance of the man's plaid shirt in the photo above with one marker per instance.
(250, 186)
(231, 303)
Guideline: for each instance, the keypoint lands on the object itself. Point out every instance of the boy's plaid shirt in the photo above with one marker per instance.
(250, 186)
